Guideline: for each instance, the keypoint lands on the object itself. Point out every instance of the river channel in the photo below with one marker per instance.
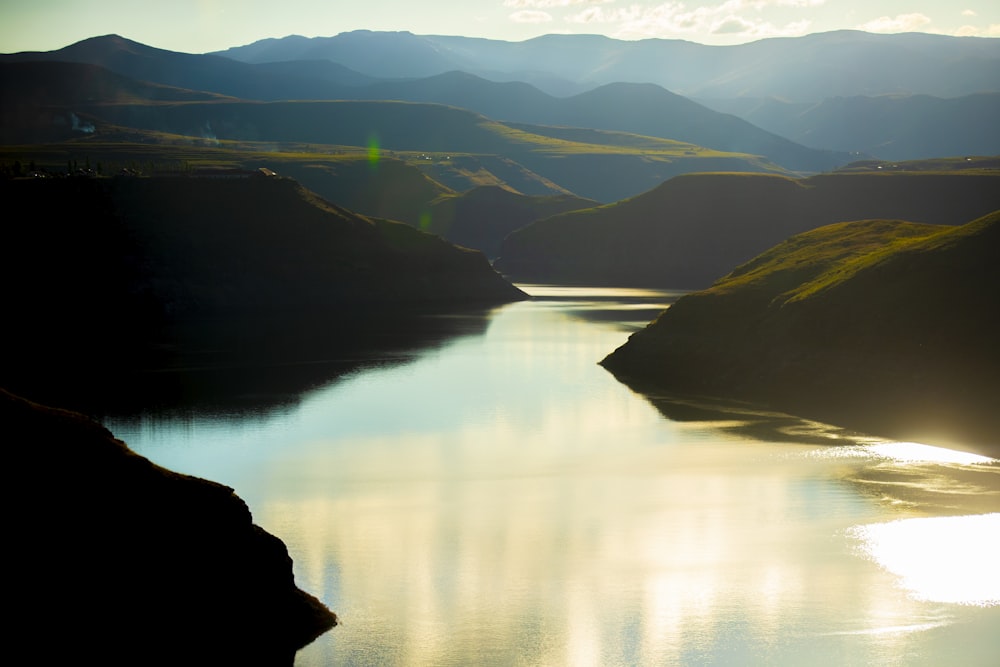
(495, 497)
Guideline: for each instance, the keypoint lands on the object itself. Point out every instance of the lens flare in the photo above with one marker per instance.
(374, 152)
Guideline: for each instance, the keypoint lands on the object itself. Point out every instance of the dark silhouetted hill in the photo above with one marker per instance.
(883, 326)
(100, 275)
(176, 247)
(692, 229)
(482, 217)
(123, 562)
(209, 73)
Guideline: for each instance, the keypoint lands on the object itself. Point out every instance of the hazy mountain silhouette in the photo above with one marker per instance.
(892, 127)
(311, 80)
(884, 326)
(808, 68)
(641, 109)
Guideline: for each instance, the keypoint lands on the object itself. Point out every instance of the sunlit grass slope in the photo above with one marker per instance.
(694, 228)
(885, 326)
(605, 166)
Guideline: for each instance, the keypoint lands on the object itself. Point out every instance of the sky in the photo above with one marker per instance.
(200, 26)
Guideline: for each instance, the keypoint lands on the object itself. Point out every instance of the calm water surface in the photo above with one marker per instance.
(500, 499)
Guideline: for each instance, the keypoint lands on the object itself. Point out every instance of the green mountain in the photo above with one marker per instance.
(694, 228)
(616, 165)
(883, 326)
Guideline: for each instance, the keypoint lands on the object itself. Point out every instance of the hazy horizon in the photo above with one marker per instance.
(201, 26)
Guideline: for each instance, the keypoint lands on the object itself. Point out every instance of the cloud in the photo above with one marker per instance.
(734, 25)
(901, 23)
(969, 12)
(539, 4)
(675, 18)
(530, 16)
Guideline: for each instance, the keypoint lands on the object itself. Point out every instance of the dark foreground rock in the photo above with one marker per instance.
(116, 561)
(882, 326)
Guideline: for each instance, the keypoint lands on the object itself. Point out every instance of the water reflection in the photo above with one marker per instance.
(243, 370)
(502, 499)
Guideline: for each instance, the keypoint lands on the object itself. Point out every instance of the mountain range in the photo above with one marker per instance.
(783, 92)
(801, 69)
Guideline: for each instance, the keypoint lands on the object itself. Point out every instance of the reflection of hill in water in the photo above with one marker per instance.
(739, 420)
(239, 366)
(910, 477)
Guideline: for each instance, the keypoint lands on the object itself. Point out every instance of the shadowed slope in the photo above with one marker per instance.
(694, 228)
(100, 272)
(122, 562)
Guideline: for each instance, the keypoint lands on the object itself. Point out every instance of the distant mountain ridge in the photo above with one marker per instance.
(891, 127)
(808, 68)
(636, 108)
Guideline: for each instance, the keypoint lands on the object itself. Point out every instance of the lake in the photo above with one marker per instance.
(494, 497)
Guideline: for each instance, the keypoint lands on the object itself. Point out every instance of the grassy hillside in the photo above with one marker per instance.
(86, 105)
(616, 165)
(694, 228)
(883, 326)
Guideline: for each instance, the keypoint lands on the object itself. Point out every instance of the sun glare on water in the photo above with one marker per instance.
(913, 452)
(939, 559)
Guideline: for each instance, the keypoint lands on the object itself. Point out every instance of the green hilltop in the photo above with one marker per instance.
(884, 326)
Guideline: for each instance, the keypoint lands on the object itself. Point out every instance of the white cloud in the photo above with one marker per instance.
(901, 23)
(674, 18)
(524, 4)
(969, 12)
(530, 16)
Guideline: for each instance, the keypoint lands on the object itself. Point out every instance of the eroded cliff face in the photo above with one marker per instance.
(119, 561)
